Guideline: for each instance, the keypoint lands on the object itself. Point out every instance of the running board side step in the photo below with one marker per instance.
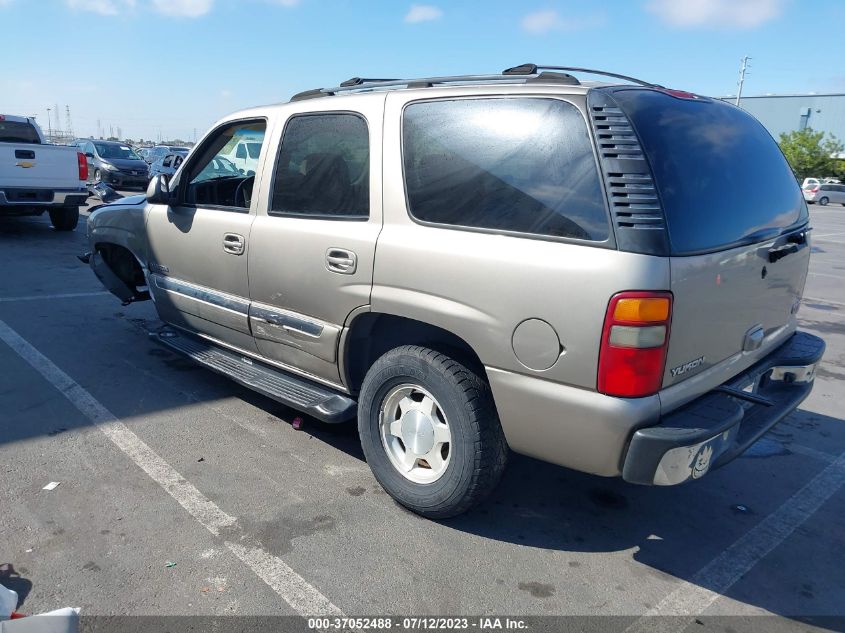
(316, 400)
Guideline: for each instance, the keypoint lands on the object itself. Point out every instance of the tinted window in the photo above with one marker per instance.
(522, 165)
(324, 167)
(115, 150)
(17, 132)
(212, 179)
(721, 177)
(241, 151)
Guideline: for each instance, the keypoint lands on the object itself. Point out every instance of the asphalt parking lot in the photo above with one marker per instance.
(160, 462)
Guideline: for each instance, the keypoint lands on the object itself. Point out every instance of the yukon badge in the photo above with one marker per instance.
(682, 369)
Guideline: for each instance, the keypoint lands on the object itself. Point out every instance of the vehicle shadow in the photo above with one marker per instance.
(673, 532)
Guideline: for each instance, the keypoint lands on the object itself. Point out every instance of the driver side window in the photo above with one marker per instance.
(213, 180)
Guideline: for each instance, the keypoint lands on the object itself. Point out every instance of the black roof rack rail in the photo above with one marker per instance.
(357, 81)
(529, 73)
(533, 69)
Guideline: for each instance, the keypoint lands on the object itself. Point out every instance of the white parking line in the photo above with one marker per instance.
(830, 301)
(826, 275)
(66, 295)
(693, 597)
(811, 452)
(290, 586)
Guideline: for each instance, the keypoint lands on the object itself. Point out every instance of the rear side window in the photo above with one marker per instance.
(323, 168)
(519, 165)
(18, 132)
(721, 177)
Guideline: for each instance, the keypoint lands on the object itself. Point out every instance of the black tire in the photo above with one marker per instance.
(477, 450)
(65, 218)
(824, 201)
(98, 176)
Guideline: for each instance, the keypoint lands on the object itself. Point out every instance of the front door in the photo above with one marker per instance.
(199, 244)
(313, 244)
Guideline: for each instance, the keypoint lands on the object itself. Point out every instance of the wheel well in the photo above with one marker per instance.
(372, 335)
(123, 264)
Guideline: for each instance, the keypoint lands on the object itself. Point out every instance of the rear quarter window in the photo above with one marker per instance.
(523, 165)
(18, 132)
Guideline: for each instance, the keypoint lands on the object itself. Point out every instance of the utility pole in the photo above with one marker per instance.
(741, 81)
(49, 126)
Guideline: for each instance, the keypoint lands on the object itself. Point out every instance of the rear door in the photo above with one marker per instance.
(199, 245)
(736, 221)
(313, 244)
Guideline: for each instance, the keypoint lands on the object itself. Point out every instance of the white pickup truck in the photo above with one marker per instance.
(36, 177)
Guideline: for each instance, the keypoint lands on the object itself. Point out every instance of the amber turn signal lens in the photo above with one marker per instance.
(642, 310)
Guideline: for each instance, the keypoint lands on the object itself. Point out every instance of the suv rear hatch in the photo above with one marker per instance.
(736, 222)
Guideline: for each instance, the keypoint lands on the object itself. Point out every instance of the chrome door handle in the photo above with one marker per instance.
(340, 260)
(234, 243)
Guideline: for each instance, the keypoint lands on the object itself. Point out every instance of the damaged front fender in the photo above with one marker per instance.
(116, 234)
(110, 280)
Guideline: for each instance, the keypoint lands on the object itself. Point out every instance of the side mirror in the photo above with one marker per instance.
(158, 191)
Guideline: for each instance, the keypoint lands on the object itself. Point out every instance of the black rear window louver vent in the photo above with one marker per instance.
(638, 217)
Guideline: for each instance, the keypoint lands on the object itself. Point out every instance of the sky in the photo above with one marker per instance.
(171, 68)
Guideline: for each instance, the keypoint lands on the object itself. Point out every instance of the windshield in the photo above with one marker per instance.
(109, 150)
(17, 132)
(721, 177)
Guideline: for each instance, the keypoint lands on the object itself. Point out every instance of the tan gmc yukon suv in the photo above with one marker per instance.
(576, 271)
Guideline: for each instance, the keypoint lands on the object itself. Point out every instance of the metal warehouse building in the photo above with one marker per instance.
(787, 113)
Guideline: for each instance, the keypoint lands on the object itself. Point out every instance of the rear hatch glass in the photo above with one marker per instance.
(18, 132)
(722, 179)
(735, 213)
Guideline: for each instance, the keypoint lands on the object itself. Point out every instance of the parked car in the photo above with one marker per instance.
(114, 163)
(153, 154)
(244, 154)
(36, 177)
(476, 264)
(825, 194)
(166, 165)
(809, 183)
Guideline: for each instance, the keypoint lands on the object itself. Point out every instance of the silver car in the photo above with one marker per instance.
(825, 194)
(470, 265)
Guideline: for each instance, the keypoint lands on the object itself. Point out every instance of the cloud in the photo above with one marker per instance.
(183, 8)
(423, 13)
(175, 8)
(542, 22)
(284, 3)
(5, 3)
(732, 14)
(103, 7)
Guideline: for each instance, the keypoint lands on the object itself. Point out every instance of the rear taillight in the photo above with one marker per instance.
(634, 341)
(83, 165)
(814, 190)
